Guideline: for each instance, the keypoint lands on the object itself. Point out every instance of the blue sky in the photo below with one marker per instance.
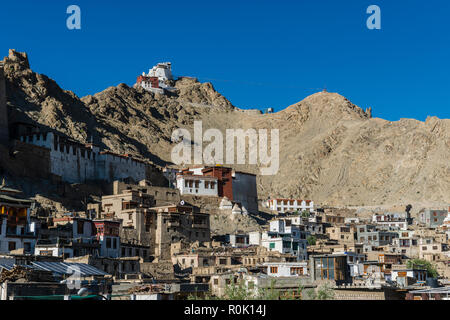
(257, 53)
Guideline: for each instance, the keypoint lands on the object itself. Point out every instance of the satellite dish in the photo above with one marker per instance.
(182, 202)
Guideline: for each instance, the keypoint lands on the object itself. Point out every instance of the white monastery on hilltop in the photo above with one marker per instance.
(157, 79)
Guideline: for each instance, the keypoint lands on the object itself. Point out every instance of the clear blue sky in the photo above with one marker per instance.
(257, 53)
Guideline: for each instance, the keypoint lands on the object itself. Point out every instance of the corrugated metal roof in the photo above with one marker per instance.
(12, 199)
(65, 268)
(7, 266)
(87, 269)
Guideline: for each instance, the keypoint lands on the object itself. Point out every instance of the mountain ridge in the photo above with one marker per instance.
(331, 150)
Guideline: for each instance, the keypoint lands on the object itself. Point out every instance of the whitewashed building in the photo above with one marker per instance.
(284, 238)
(401, 275)
(77, 163)
(286, 269)
(156, 80)
(290, 205)
(198, 185)
(238, 240)
(391, 220)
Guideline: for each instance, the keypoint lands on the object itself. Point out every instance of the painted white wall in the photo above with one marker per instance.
(109, 252)
(69, 163)
(201, 190)
(19, 241)
(284, 268)
(254, 238)
(281, 207)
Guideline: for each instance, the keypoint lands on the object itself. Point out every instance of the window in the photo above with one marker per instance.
(11, 246)
(216, 281)
(272, 245)
(27, 247)
(80, 226)
(46, 253)
(108, 243)
(296, 271)
(273, 269)
(324, 268)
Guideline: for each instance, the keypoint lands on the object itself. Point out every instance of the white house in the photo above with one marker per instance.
(290, 205)
(286, 269)
(81, 240)
(391, 220)
(197, 185)
(401, 276)
(55, 249)
(285, 238)
(238, 240)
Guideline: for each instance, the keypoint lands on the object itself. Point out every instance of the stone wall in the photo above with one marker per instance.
(27, 160)
(367, 294)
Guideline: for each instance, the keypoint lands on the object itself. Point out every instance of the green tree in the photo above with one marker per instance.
(311, 240)
(305, 214)
(323, 292)
(420, 263)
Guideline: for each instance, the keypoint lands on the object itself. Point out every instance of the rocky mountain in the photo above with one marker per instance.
(330, 151)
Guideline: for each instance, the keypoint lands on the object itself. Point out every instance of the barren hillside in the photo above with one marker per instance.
(331, 151)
